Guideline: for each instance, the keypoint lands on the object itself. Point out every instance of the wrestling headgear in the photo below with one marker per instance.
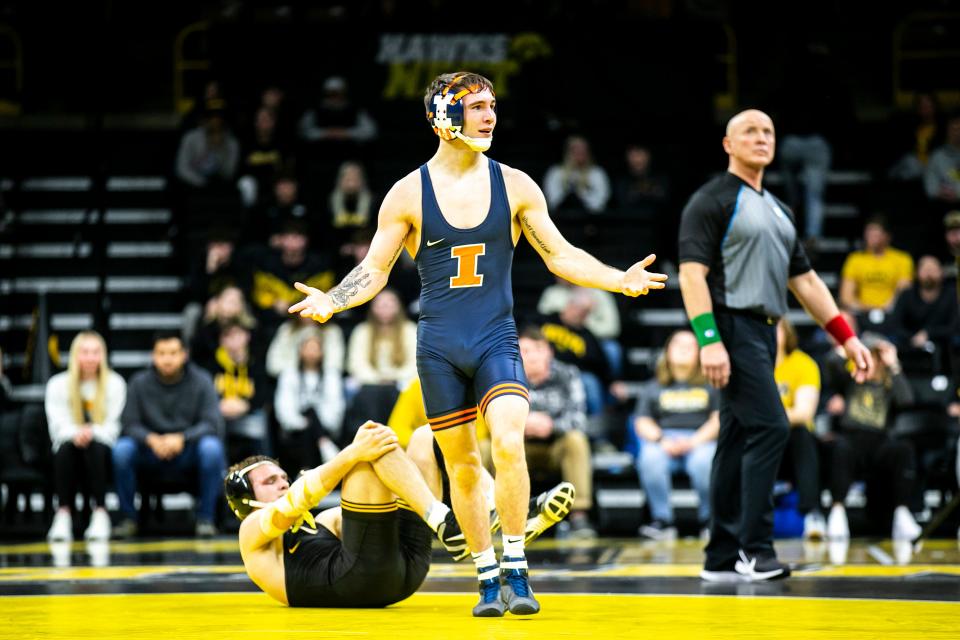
(445, 113)
(239, 492)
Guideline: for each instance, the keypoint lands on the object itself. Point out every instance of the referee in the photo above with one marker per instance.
(739, 253)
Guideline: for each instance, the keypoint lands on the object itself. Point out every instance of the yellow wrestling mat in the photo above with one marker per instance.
(429, 616)
(142, 572)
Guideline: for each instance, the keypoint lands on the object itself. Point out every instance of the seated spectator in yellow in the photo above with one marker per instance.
(872, 278)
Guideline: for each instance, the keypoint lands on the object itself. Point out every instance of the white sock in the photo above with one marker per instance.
(513, 546)
(484, 560)
(436, 514)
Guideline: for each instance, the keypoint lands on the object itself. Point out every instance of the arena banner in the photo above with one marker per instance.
(411, 60)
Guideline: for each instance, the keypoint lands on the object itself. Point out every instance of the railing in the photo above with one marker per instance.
(725, 102)
(181, 65)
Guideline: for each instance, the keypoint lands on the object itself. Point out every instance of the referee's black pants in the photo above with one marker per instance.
(753, 435)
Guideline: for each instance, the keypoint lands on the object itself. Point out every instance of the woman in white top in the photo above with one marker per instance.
(383, 348)
(83, 406)
(285, 344)
(309, 407)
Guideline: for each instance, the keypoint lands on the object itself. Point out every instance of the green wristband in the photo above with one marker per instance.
(705, 328)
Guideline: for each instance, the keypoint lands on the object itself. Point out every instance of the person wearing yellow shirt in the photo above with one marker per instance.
(872, 278)
(798, 380)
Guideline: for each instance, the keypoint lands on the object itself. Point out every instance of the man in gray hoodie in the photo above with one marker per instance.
(171, 423)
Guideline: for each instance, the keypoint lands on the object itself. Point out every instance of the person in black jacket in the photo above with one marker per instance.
(864, 448)
(926, 313)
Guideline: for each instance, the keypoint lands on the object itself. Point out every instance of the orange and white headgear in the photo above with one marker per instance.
(447, 115)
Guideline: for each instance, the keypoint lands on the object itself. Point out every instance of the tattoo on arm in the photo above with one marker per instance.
(396, 254)
(349, 287)
(533, 234)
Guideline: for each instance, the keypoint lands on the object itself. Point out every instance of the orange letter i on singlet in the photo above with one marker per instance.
(466, 256)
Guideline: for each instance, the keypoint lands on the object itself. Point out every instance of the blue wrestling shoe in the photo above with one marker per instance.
(515, 586)
(491, 603)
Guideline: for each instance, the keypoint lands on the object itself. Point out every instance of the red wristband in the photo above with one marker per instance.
(840, 330)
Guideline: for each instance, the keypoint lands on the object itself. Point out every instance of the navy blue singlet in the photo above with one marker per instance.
(467, 351)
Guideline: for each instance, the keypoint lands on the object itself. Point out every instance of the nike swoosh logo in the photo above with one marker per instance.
(430, 244)
(294, 547)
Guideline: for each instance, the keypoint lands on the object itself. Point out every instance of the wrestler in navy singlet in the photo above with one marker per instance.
(467, 351)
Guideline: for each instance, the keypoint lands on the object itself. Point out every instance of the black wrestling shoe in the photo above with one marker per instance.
(451, 537)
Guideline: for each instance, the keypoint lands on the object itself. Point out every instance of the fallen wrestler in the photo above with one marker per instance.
(375, 548)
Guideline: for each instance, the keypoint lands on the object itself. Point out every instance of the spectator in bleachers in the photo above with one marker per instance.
(274, 98)
(83, 406)
(382, 349)
(863, 448)
(919, 135)
(677, 422)
(209, 154)
(951, 234)
(217, 268)
(209, 274)
(640, 190)
(227, 307)
(263, 157)
(336, 118)
(284, 348)
(381, 360)
(603, 320)
(212, 93)
(871, 278)
(577, 183)
(283, 205)
(604, 317)
(554, 434)
(240, 381)
(274, 273)
(926, 313)
(309, 404)
(798, 380)
(171, 425)
(575, 344)
(942, 176)
(351, 203)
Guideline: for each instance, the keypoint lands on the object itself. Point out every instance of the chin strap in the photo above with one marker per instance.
(475, 144)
